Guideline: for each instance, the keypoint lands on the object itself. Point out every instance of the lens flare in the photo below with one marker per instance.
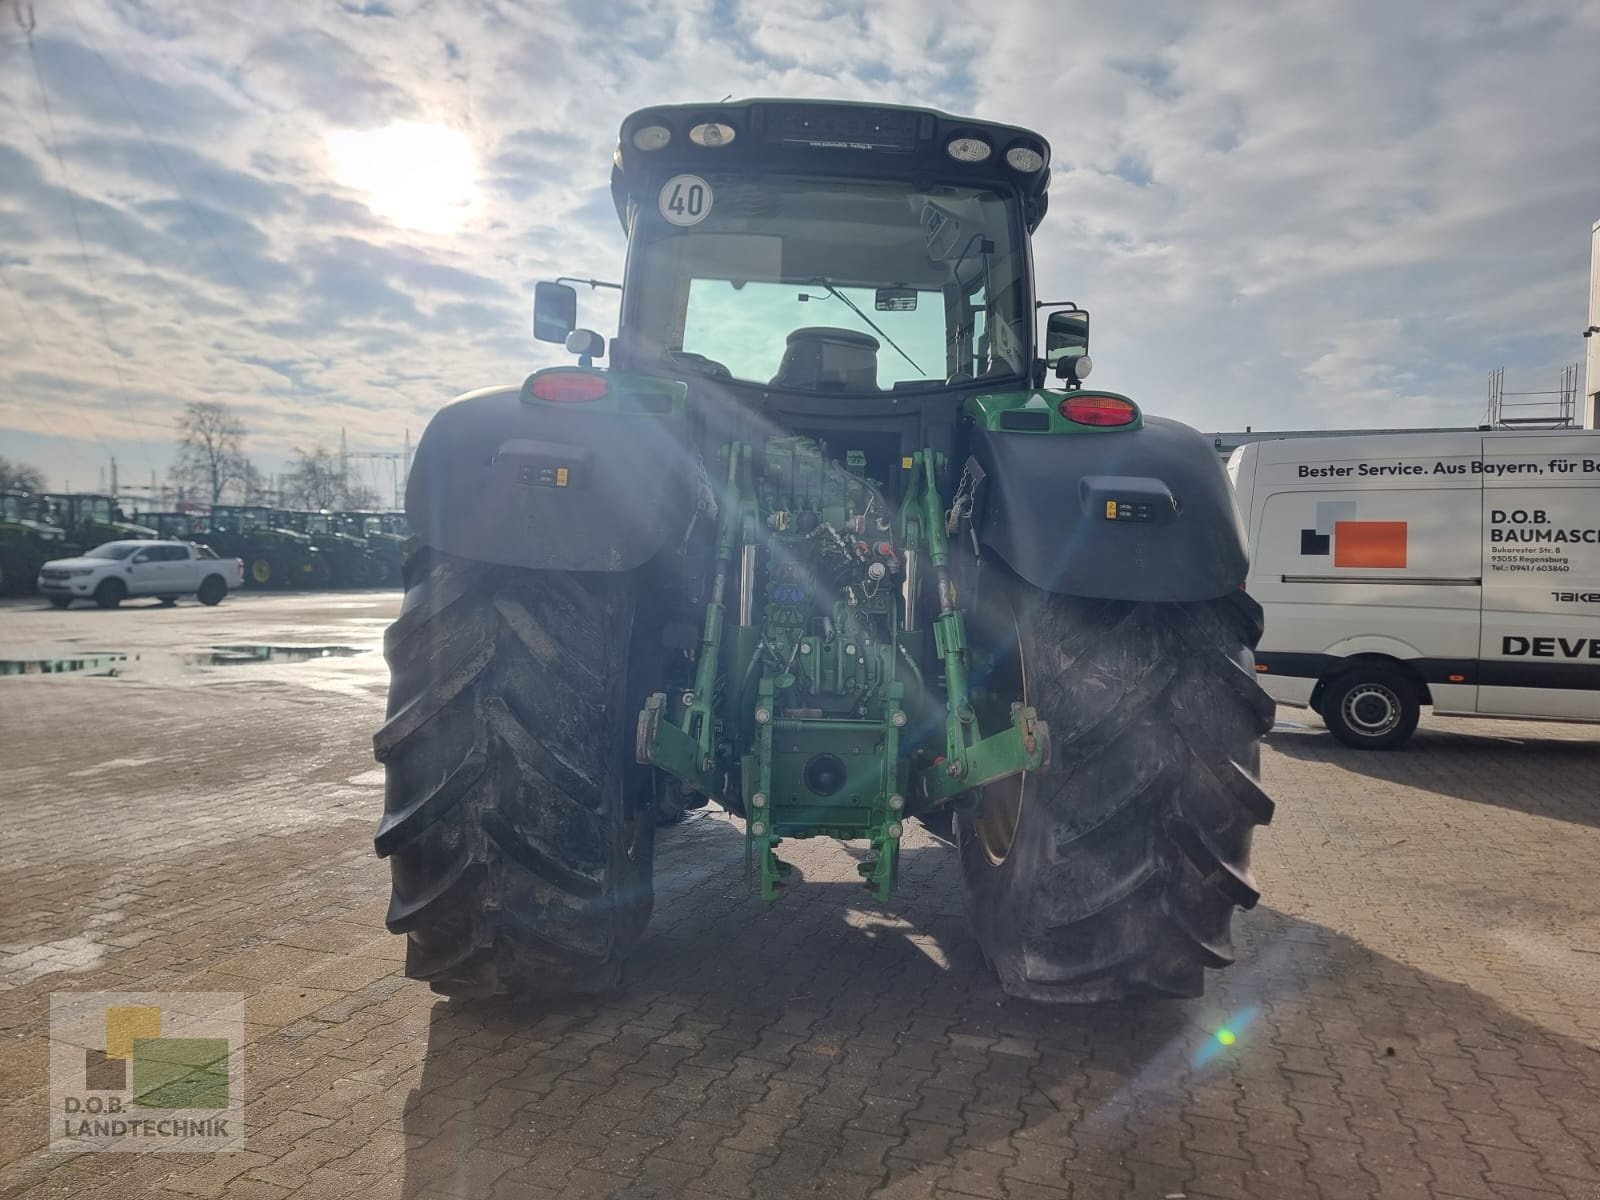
(1226, 1036)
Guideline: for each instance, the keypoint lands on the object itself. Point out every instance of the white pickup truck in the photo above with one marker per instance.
(111, 573)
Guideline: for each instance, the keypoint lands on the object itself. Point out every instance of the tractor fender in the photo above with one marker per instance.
(1173, 532)
(499, 479)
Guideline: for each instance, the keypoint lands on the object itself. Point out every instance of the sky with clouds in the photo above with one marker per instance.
(1286, 215)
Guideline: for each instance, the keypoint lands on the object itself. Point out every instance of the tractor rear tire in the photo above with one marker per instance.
(516, 864)
(1115, 871)
(356, 573)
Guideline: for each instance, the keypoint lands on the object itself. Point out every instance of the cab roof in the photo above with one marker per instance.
(827, 137)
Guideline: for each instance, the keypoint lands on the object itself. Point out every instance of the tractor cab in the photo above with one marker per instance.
(30, 512)
(793, 250)
(90, 519)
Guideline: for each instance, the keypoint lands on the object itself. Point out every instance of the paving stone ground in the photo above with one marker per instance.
(1415, 1009)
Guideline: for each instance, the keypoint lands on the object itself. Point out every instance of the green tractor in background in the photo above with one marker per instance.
(338, 543)
(91, 519)
(275, 554)
(385, 535)
(28, 540)
(179, 526)
(822, 548)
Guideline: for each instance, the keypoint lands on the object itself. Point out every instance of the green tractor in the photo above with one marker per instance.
(385, 535)
(28, 540)
(822, 548)
(275, 554)
(339, 543)
(91, 519)
(180, 526)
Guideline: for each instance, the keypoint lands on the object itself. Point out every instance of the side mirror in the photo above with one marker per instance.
(1066, 344)
(555, 311)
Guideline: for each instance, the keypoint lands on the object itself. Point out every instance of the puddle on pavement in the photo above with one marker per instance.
(249, 653)
(85, 662)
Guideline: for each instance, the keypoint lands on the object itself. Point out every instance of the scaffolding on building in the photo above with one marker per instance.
(1556, 409)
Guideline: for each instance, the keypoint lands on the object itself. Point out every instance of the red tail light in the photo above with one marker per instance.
(1088, 408)
(570, 387)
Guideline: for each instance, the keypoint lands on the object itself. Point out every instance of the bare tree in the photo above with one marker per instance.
(211, 458)
(319, 480)
(20, 477)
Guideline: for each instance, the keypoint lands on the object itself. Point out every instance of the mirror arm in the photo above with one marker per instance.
(593, 283)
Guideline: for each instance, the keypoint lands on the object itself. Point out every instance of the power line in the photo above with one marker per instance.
(23, 117)
(27, 27)
(155, 149)
(50, 358)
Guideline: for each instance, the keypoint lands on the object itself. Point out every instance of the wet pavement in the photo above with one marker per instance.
(1413, 1011)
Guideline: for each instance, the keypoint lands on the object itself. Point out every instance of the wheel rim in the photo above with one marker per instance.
(1001, 812)
(1371, 709)
(261, 570)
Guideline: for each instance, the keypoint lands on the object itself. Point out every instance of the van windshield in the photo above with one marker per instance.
(830, 285)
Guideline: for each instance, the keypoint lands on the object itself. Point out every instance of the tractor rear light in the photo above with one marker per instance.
(1098, 410)
(651, 137)
(712, 133)
(569, 387)
(968, 149)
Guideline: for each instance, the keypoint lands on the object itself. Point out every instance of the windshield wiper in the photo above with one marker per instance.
(851, 304)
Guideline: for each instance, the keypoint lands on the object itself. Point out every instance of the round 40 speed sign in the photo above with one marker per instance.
(685, 200)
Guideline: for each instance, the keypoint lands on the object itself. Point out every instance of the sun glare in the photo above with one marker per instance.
(419, 176)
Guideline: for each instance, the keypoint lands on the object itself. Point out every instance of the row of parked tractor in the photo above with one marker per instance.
(280, 548)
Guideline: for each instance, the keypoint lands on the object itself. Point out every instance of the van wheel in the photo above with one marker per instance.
(1371, 708)
(110, 593)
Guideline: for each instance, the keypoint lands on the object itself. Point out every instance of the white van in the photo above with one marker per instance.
(1460, 570)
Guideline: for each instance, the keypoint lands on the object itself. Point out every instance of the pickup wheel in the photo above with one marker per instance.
(110, 593)
(517, 862)
(1115, 871)
(1371, 707)
(212, 590)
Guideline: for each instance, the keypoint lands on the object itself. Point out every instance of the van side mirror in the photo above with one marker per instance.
(1066, 345)
(555, 311)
